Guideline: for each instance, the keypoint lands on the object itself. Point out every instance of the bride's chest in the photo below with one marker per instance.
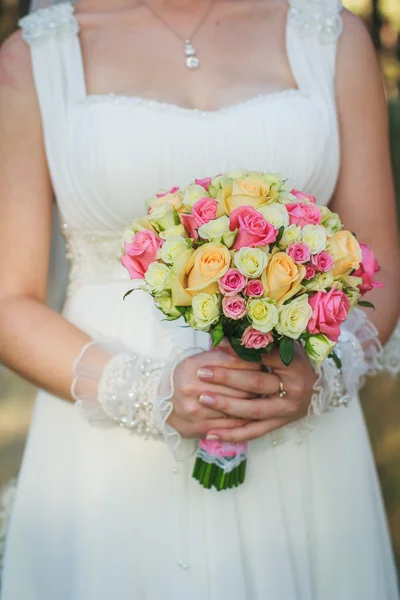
(121, 150)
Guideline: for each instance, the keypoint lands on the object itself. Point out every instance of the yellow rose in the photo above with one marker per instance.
(173, 198)
(263, 314)
(178, 279)
(346, 253)
(282, 278)
(251, 191)
(206, 265)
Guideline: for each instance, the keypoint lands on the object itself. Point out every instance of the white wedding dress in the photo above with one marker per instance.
(101, 513)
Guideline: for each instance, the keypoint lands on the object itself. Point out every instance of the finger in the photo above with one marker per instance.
(250, 431)
(205, 386)
(224, 359)
(202, 427)
(254, 382)
(251, 410)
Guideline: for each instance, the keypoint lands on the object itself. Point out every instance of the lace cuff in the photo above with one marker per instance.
(113, 387)
(359, 350)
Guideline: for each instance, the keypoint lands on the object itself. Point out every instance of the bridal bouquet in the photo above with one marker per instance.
(241, 256)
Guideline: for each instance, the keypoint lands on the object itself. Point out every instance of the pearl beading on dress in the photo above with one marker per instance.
(127, 391)
(57, 20)
(317, 18)
(93, 256)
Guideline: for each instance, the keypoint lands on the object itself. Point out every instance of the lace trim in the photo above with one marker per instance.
(57, 20)
(121, 100)
(390, 357)
(226, 464)
(317, 18)
(7, 499)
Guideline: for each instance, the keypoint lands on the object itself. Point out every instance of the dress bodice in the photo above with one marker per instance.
(108, 153)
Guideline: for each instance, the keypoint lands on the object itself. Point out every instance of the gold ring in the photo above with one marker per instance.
(281, 391)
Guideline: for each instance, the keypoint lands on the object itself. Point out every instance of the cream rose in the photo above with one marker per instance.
(251, 262)
(294, 317)
(263, 314)
(320, 282)
(250, 190)
(156, 277)
(346, 253)
(206, 310)
(330, 220)
(172, 247)
(319, 347)
(193, 193)
(282, 278)
(315, 237)
(217, 230)
(176, 230)
(164, 302)
(205, 267)
(291, 235)
(163, 217)
(276, 214)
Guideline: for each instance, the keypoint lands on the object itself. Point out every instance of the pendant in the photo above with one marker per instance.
(192, 62)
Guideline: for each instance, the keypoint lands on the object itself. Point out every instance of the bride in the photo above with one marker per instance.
(103, 103)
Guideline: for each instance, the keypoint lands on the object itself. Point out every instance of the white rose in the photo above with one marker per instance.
(164, 302)
(218, 230)
(193, 193)
(156, 277)
(251, 262)
(206, 310)
(236, 174)
(274, 179)
(163, 217)
(291, 235)
(315, 237)
(276, 214)
(318, 347)
(320, 282)
(330, 220)
(294, 317)
(263, 314)
(172, 247)
(176, 230)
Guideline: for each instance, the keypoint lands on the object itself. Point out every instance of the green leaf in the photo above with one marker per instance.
(181, 309)
(335, 359)
(280, 234)
(128, 293)
(217, 335)
(246, 353)
(366, 304)
(286, 350)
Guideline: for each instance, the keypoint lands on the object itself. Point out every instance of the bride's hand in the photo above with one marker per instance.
(263, 415)
(190, 417)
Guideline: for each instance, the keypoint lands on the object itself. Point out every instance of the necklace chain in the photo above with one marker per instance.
(192, 61)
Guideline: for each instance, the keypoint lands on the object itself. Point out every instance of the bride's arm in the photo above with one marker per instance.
(34, 340)
(364, 196)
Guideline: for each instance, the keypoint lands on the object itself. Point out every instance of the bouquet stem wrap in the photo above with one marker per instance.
(220, 464)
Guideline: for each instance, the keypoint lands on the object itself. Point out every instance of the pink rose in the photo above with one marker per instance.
(254, 230)
(330, 309)
(140, 253)
(234, 307)
(189, 223)
(299, 252)
(232, 282)
(323, 261)
(367, 269)
(205, 183)
(254, 288)
(204, 210)
(310, 272)
(301, 196)
(173, 190)
(223, 449)
(255, 339)
(304, 214)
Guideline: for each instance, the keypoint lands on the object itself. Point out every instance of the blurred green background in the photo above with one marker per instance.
(381, 397)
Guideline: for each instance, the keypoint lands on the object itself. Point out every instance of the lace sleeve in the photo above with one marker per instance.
(113, 387)
(319, 18)
(360, 352)
(390, 357)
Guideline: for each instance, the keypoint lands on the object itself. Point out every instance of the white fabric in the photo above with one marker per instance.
(102, 514)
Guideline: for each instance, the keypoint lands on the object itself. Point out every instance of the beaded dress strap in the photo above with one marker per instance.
(320, 18)
(55, 21)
